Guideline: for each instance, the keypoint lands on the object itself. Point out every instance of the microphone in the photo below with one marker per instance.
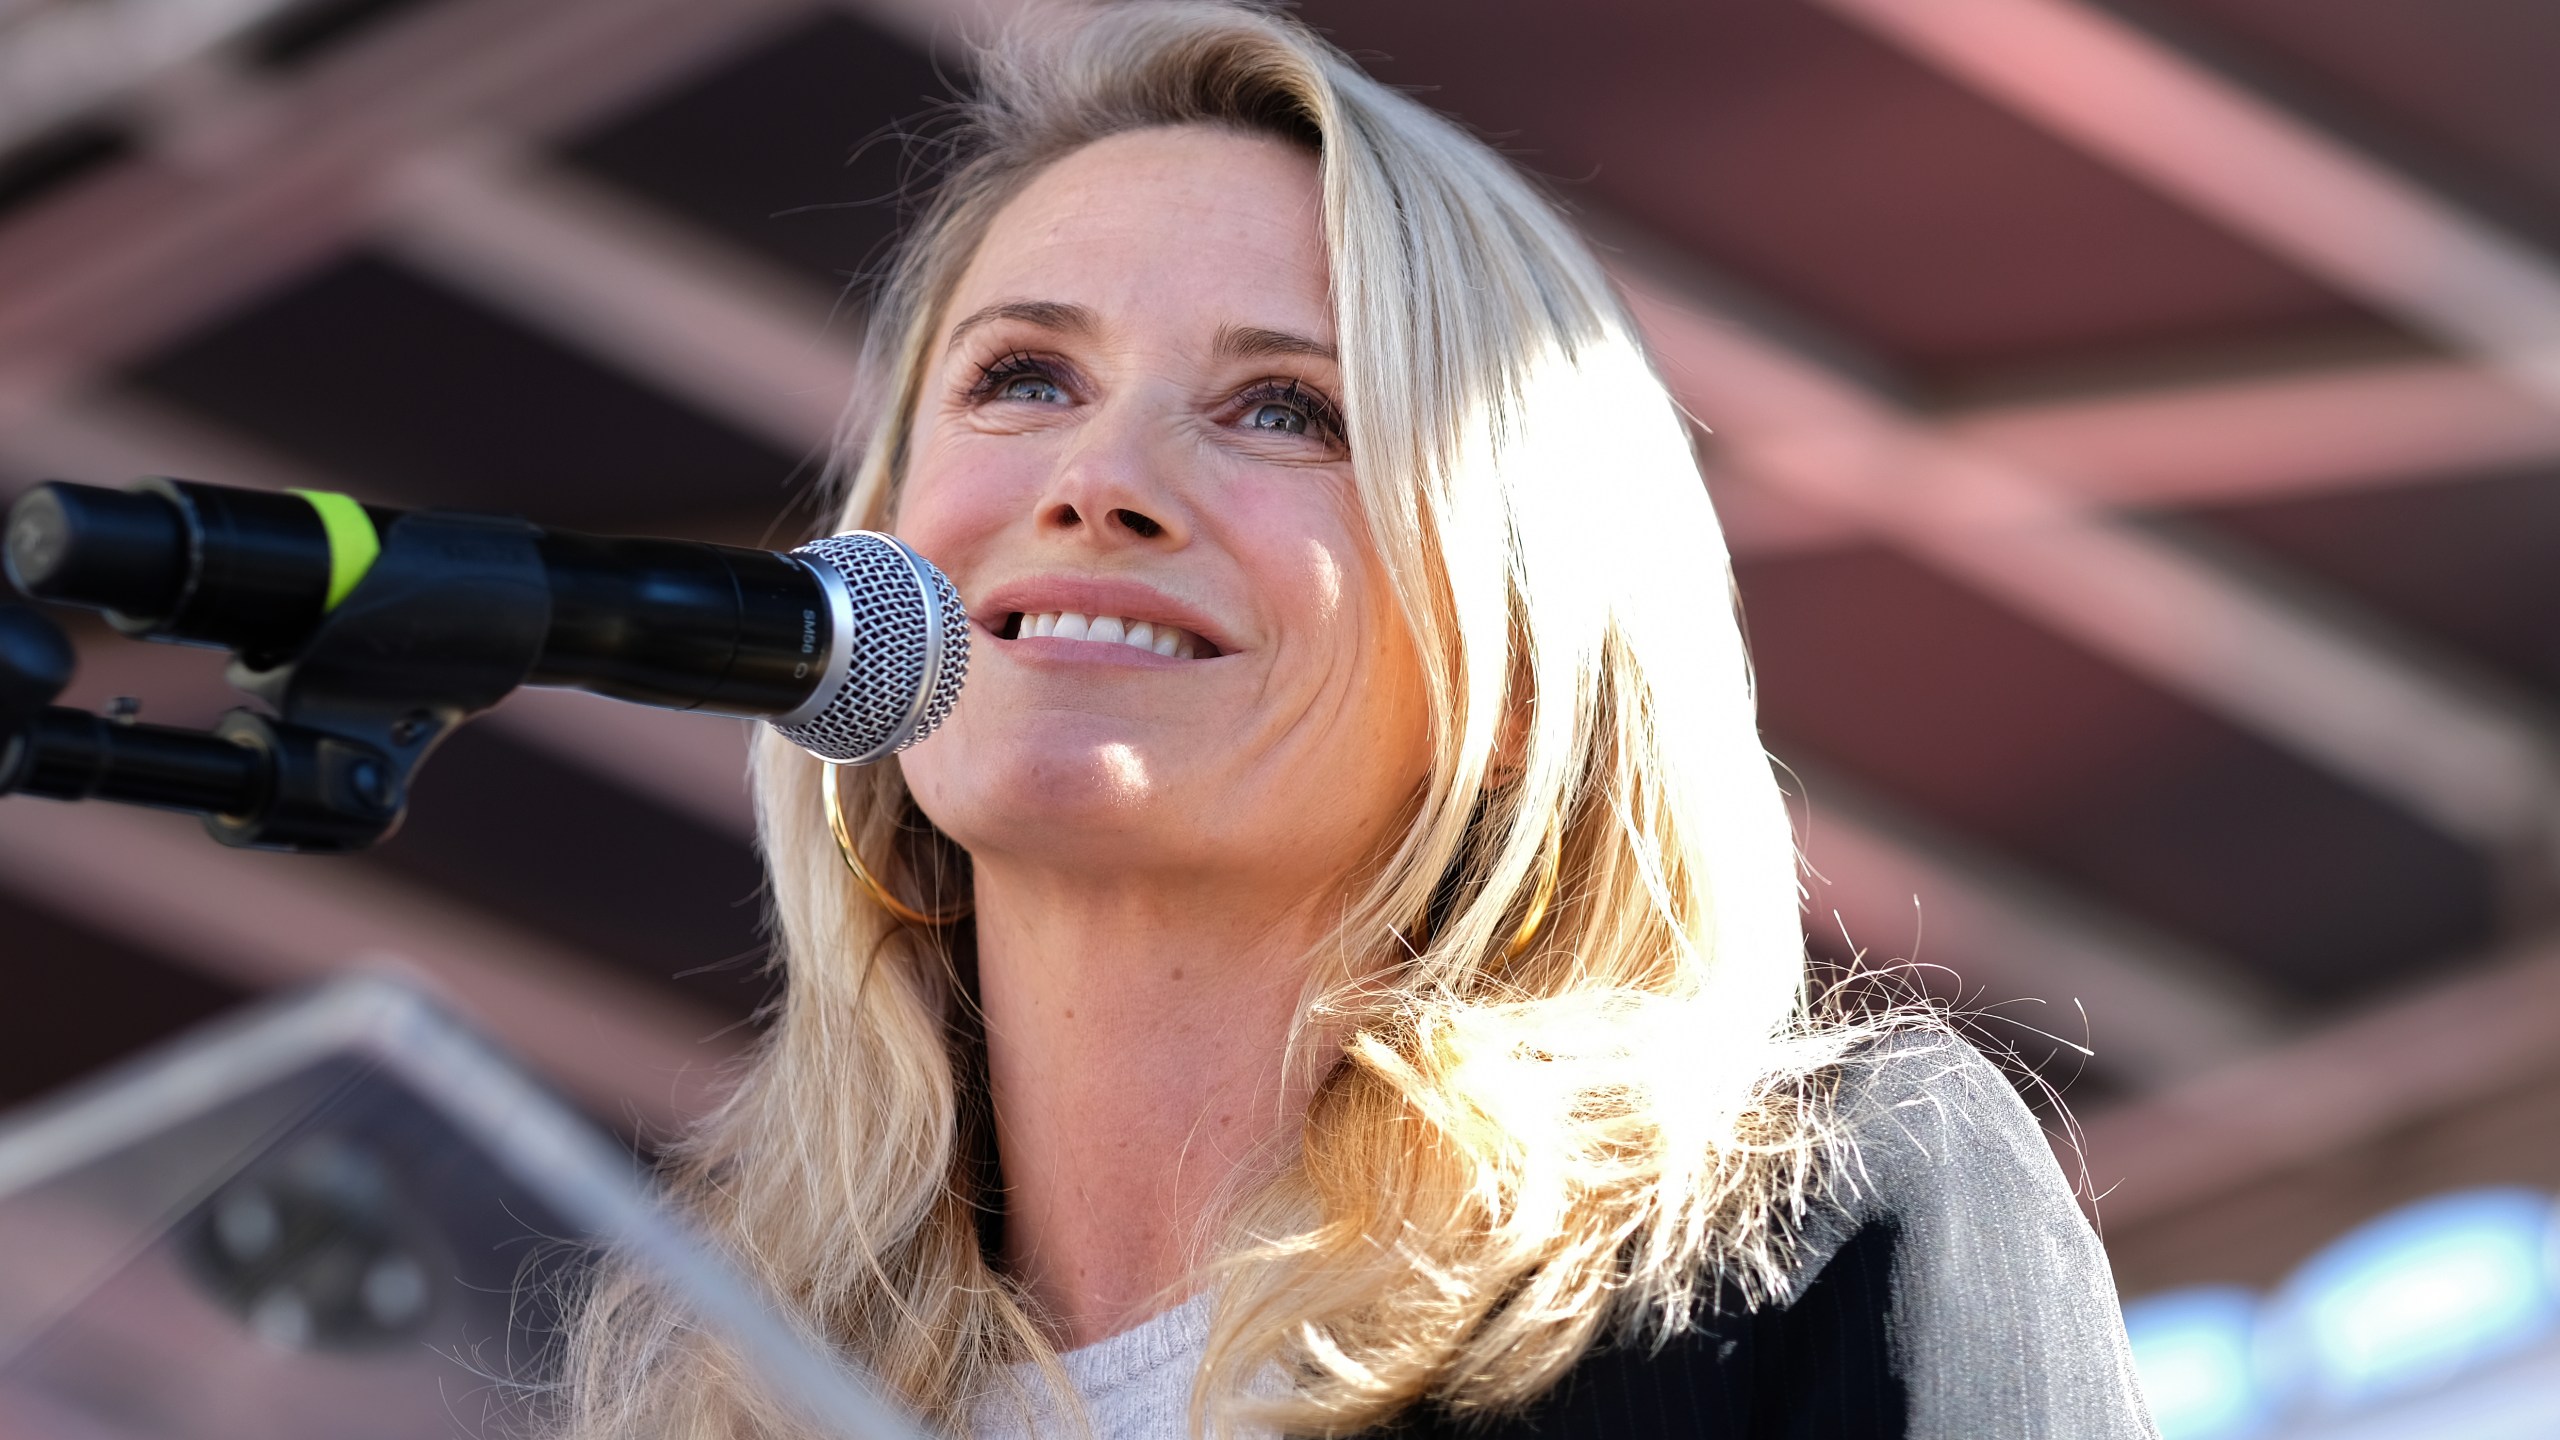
(853, 646)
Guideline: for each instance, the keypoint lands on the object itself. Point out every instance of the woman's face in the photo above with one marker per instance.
(1128, 454)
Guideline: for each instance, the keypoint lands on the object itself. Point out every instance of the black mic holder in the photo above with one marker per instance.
(450, 618)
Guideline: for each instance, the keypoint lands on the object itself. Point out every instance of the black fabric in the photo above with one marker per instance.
(1947, 1289)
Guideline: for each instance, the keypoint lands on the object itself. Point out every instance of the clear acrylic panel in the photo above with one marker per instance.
(341, 1216)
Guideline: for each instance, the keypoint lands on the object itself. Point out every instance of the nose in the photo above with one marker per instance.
(1114, 485)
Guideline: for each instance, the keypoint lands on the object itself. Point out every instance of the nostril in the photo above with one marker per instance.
(1143, 527)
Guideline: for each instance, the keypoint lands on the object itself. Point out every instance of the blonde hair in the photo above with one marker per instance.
(1512, 1155)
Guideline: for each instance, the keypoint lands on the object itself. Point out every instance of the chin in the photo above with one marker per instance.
(1028, 794)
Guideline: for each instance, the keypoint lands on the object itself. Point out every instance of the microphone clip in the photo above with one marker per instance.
(450, 617)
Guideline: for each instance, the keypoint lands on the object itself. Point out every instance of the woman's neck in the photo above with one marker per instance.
(1135, 1042)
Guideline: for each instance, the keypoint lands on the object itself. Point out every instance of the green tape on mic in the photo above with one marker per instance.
(353, 545)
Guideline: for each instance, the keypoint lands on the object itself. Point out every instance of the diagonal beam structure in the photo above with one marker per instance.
(2138, 103)
(2474, 761)
(691, 316)
(2457, 1043)
(258, 184)
(2234, 440)
(631, 1053)
(64, 60)
(2446, 746)
(2150, 1011)
(2239, 159)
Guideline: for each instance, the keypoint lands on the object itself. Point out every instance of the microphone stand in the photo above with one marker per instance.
(449, 619)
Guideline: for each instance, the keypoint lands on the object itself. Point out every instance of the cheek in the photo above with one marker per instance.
(1344, 603)
(953, 498)
(951, 511)
(1394, 700)
(1399, 707)
(1382, 744)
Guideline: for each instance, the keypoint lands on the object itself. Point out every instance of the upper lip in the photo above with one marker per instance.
(1095, 595)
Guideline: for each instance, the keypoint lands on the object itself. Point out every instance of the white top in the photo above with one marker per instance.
(1135, 1385)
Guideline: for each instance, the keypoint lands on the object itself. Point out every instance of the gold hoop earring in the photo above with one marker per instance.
(862, 875)
(1539, 898)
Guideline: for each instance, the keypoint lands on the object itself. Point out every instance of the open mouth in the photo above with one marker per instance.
(1169, 641)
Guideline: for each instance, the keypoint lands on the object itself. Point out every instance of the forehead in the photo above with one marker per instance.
(1186, 228)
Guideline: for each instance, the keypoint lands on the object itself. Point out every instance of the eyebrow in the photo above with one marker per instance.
(1234, 342)
(1251, 342)
(1047, 314)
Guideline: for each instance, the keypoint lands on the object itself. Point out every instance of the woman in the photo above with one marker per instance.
(1340, 965)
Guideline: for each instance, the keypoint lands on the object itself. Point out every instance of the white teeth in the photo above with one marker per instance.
(1165, 640)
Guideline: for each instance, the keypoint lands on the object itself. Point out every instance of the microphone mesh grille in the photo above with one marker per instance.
(882, 708)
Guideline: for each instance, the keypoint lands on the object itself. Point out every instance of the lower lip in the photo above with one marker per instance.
(1048, 649)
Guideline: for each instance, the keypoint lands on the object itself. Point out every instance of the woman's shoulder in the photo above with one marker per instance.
(1947, 1205)
(1930, 1156)
(1946, 1286)
(1922, 1123)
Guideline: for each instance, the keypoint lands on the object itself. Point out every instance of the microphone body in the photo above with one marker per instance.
(854, 646)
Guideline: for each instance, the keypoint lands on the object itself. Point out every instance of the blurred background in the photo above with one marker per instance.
(2138, 426)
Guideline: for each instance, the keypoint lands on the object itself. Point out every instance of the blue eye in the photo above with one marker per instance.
(1017, 376)
(1039, 389)
(1274, 416)
(1289, 408)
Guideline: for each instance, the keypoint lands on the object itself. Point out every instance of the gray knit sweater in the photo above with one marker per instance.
(1135, 1385)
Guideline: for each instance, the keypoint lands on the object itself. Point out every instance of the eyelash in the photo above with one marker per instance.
(1012, 365)
(1324, 418)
